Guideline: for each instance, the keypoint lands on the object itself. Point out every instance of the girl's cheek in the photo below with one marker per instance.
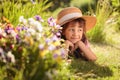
(81, 37)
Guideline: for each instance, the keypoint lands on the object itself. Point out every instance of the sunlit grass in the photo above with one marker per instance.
(12, 10)
(106, 67)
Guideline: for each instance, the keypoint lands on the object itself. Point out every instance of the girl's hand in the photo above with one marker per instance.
(77, 44)
(69, 45)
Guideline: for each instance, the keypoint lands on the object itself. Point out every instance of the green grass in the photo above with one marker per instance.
(13, 10)
(107, 66)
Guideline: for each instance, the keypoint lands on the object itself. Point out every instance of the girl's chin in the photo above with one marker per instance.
(74, 41)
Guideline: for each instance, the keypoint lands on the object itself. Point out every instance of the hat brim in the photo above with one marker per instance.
(90, 21)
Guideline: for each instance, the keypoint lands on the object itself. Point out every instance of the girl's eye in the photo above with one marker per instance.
(80, 30)
(71, 29)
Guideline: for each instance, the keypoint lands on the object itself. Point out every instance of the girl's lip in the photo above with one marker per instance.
(74, 38)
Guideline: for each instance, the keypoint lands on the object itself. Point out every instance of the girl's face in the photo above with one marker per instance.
(73, 32)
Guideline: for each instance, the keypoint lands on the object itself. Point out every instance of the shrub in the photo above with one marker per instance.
(103, 12)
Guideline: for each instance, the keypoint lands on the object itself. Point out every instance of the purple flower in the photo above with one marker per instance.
(55, 55)
(7, 29)
(38, 18)
(24, 28)
(58, 34)
(58, 27)
(63, 53)
(52, 24)
(55, 38)
(18, 28)
(47, 40)
(51, 21)
(17, 37)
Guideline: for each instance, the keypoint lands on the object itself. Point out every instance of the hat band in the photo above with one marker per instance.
(69, 16)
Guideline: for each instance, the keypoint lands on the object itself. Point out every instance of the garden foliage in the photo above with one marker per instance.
(29, 50)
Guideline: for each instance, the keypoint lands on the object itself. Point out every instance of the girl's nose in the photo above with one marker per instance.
(75, 32)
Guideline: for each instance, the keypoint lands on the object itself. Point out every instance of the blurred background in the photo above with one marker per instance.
(106, 11)
(104, 37)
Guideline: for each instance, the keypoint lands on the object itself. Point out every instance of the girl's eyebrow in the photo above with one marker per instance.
(80, 26)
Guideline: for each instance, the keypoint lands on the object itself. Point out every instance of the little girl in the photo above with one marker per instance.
(75, 26)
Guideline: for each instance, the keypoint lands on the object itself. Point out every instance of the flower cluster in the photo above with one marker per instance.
(30, 43)
(8, 37)
(29, 32)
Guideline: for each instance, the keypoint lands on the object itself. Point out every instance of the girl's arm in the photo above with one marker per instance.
(87, 51)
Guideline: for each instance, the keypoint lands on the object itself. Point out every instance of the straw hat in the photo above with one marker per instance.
(70, 13)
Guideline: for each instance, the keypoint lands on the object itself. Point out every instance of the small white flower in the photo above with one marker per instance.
(4, 34)
(13, 33)
(41, 46)
(11, 56)
(2, 53)
(58, 27)
(22, 20)
(33, 2)
(2, 56)
(31, 31)
(48, 40)
(38, 26)
(38, 36)
(51, 47)
(35, 24)
(42, 20)
(31, 21)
